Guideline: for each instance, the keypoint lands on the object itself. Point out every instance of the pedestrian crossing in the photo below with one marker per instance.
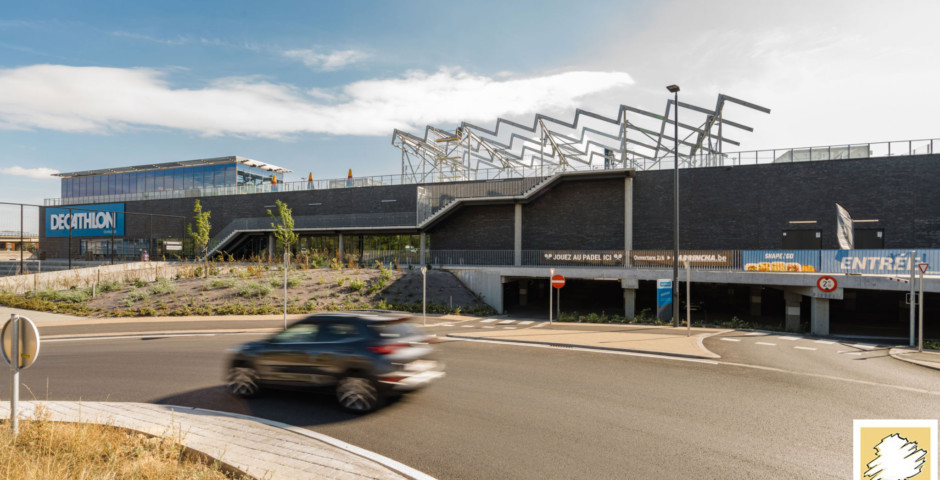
(491, 324)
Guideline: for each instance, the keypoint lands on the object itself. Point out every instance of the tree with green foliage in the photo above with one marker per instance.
(200, 235)
(283, 225)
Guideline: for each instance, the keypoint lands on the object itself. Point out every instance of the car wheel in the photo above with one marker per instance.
(358, 395)
(243, 381)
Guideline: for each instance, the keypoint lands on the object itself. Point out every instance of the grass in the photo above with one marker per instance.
(162, 286)
(252, 289)
(219, 283)
(47, 450)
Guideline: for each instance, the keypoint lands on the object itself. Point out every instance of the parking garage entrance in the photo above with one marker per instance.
(528, 297)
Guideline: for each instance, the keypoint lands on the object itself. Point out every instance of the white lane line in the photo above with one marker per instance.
(865, 346)
(447, 324)
(509, 328)
(804, 348)
(825, 342)
(792, 339)
(766, 343)
(466, 326)
(491, 320)
(506, 322)
(139, 336)
(539, 325)
(754, 334)
(488, 326)
(731, 339)
(528, 322)
(846, 352)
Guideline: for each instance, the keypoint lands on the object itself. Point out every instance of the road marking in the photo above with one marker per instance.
(529, 322)
(731, 339)
(539, 325)
(154, 336)
(792, 339)
(491, 320)
(488, 326)
(766, 343)
(825, 342)
(753, 334)
(467, 326)
(804, 348)
(506, 322)
(509, 328)
(833, 377)
(447, 324)
(865, 346)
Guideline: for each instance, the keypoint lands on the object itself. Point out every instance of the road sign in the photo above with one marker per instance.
(923, 267)
(558, 281)
(827, 283)
(28, 337)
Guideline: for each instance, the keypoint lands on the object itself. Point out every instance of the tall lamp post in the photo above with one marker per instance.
(675, 202)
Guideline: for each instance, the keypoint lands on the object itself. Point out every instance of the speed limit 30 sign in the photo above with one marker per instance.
(827, 283)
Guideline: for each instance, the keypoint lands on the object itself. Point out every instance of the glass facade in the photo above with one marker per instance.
(182, 178)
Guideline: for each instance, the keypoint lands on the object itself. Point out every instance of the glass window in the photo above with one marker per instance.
(178, 178)
(297, 333)
(150, 186)
(219, 172)
(198, 174)
(188, 178)
(229, 174)
(141, 181)
(96, 186)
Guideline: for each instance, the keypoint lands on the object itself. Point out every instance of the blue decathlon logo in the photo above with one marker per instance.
(86, 221)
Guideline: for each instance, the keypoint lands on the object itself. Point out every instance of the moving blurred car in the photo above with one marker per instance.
(365, 357)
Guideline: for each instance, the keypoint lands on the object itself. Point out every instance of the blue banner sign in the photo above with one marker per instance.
(780, 260)
(885, 262)
(664, 300)
(86, 221)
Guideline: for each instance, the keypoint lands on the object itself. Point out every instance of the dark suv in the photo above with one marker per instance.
(363, 356)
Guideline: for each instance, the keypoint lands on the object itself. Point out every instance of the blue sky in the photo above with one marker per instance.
(320, 86)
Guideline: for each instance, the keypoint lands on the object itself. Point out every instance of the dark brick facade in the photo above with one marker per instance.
(748, 207)
(745, 207)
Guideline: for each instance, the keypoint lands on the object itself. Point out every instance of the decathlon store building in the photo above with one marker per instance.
(758, 236)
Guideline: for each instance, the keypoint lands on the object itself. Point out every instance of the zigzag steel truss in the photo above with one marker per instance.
(549, 145)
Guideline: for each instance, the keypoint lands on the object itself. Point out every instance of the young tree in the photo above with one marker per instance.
(283, 225)
(200, 235)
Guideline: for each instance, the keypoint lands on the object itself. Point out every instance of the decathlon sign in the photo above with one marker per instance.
(86, 221)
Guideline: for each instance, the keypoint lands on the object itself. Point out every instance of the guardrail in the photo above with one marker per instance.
(753, 157)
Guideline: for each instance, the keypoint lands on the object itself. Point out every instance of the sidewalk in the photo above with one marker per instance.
(927, 358)
(260, 448)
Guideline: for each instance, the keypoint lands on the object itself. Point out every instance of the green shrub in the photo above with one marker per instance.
(139, 283)
(163, 286)
(253, 289)
(137, 296)
(219, 283)
(356, 285)
(109, 286)
(341, 281)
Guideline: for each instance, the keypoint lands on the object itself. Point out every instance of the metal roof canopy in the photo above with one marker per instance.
(186, 163)
(549, 145)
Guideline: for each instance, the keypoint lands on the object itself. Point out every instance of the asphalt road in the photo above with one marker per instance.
(763, 411)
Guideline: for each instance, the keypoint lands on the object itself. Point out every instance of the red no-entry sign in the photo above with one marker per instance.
(558, 281)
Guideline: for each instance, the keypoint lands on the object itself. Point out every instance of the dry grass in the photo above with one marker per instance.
(46, 450)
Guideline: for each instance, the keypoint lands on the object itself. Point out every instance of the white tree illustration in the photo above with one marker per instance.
(896, 459)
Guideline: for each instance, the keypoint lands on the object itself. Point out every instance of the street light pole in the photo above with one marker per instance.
(675, 202)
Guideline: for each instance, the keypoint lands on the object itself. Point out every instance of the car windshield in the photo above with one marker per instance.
(395, 329)
(301, 332)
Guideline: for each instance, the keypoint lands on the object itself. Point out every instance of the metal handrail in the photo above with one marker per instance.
(752, 157)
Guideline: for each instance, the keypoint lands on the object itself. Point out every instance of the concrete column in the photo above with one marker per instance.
(755, 301)
(819, 319)
(518, 236)
(792, 314)
(422, 255)
(629, 302)
(523, 293)
(627, 216)
(342, 249)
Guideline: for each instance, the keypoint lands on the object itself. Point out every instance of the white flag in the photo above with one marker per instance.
(844, 229)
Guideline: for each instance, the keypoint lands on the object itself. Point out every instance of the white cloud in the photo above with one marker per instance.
(179, 40)
(101, 100)
(326, 61)
(40, 173)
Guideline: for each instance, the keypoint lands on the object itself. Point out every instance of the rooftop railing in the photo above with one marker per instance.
(754, 157)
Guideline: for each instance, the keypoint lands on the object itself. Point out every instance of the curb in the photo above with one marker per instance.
(585, 347)
(898, 353)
